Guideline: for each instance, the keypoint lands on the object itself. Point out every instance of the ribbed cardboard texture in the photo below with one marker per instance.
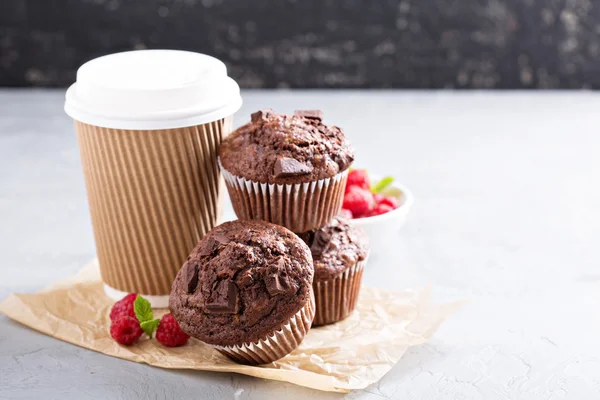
(336, 298)
(277, 345)
(152, 195)
(299, 207)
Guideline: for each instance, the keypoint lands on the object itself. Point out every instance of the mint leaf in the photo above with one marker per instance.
(142, 309)
(150, 326)
(382, 184)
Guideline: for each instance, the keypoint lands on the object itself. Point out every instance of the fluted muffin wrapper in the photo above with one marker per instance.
(299, 207)
(276, 345)
(336, 298)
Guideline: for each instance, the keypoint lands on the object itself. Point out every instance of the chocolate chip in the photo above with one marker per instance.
(260, 114)
(277, 284)
(307, 237)
(213, 242)
(221, 238)
(343, 161)
(206, 249)
(348, 259)
(320, 243)
(224, 298)
(286, 167)
(246, 279)
(312, 114)
(191, 277)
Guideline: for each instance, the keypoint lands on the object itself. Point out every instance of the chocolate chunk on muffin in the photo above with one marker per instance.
(339, 253)
(246, 289)
(278, 148)
(287, 169)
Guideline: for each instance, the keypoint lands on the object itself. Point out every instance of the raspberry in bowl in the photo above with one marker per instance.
(378, 206)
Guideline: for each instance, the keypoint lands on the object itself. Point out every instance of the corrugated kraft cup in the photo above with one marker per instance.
(149, 125)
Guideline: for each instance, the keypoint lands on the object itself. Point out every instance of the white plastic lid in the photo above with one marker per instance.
(152, 89)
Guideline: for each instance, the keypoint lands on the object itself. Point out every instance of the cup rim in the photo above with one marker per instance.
(151, 90)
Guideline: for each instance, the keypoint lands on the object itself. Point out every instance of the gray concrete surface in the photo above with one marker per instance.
(506, 216)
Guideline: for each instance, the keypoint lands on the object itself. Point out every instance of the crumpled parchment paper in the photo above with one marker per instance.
(351, 354)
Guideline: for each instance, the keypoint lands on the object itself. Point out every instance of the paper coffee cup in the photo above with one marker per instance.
(149, 125)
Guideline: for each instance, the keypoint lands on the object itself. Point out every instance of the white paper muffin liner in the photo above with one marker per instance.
(273, 347)
(299, 207)
(336, 298)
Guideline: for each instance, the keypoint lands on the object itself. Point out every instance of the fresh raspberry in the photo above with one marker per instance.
(125, 330)
(358, 177)
(389, 200)
(124, 307)
(346, 213)
(359, 201)
(169, 333)
(380, 209)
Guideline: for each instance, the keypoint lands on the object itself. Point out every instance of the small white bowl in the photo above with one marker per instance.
(383, 229)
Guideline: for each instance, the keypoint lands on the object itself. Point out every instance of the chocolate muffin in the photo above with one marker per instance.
(339, 253)
(246, 289)
(287, 169)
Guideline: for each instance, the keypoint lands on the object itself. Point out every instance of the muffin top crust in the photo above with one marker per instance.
(336, 247)
(286, 149)
(242, 282)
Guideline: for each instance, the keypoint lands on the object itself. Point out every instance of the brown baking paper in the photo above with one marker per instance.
(351, 354)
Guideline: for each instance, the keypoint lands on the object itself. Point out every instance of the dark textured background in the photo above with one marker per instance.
(317, 43)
